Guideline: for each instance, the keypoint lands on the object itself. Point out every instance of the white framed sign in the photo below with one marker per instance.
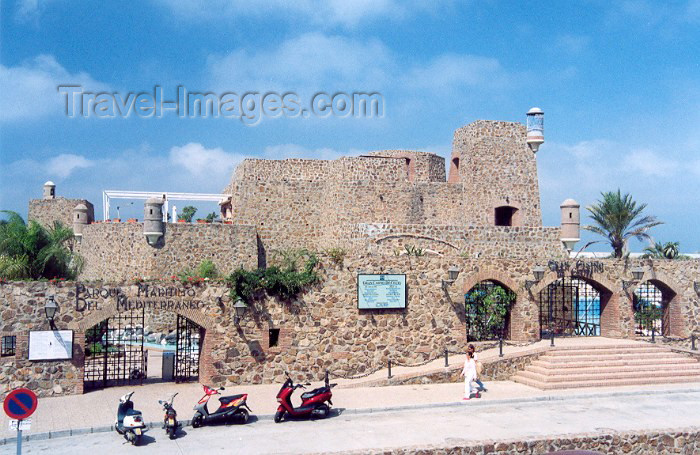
(51, 345)
(24, 425)
(381, 291)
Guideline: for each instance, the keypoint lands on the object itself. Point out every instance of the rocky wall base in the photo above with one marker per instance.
(661, 442)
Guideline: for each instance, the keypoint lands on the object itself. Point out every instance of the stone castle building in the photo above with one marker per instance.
(392, 212)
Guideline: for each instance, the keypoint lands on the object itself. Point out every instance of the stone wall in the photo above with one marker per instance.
(323, 329)
(46, 211)
(663, 442)
(470, 241)
(497, 169)
(119, 251)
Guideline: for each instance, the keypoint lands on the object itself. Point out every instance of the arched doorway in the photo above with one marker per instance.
(571, 306)
(118, 349)
(488, 306)
(114, 351)
(651, 309)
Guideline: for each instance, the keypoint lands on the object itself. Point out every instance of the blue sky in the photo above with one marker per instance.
(619, 83)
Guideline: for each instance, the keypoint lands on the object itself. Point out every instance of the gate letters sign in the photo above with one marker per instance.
(579, 268)
(149, 297)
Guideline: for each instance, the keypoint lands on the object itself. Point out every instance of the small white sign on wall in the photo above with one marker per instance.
(51, 345)
(24, 425)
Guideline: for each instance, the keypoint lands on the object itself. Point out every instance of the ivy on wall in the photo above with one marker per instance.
(290, 273)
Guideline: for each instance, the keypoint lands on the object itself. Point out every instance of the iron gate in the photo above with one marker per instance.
(187, 349)
(649, 310)
(569, 307)
(482, 318)
(114, 353)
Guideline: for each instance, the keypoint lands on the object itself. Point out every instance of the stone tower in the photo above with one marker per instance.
(570, 223)
(498, 172)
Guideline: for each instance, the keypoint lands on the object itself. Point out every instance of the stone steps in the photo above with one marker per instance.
(608, 365)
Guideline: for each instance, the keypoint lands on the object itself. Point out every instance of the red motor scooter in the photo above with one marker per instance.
(313, 403)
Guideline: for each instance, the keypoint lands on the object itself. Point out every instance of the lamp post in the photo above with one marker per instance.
(452, 274)
(538, 272)
(50, 310)
(240, 307)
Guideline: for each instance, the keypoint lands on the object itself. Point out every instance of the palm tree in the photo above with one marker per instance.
(668, 250)
(618, 218)
(33, 251)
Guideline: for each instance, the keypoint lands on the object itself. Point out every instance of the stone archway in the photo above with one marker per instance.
(196, 324)
(590, 301)
(521, 327)
(670, 296)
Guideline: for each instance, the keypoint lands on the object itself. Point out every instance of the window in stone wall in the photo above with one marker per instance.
(274, 337)
(504, 215)
(8, 346)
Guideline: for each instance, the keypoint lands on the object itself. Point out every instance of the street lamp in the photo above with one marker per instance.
(637, 273)
(240, 307)
(50, 309)
(538, 272)
(452, 274)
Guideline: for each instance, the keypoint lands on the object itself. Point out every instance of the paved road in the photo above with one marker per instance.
(452, 424)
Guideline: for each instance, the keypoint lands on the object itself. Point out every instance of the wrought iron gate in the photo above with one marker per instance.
(482, 318)
(114, 353)
(187, 349)
(649, 310)
(569, 307)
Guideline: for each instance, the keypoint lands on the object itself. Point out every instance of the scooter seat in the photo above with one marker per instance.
(131, 412)
(227, 400)
(314, 392)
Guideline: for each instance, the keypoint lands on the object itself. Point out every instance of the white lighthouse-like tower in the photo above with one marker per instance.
(535, 128)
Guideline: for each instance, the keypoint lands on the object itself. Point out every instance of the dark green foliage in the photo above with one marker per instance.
(660, 250)
(187, 213)
(292, 271)
(211, 217)
(31, 251)
(618, 218)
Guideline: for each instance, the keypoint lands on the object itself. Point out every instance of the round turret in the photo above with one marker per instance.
(570, 223)
(49, 190)
(153, 227)
(80, 219)
(535, 128)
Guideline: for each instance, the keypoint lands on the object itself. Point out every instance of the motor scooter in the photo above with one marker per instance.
(129, 422)
(170, 423)
(231, 408)
(313, 403)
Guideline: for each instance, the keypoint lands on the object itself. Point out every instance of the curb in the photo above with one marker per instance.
(360, 411)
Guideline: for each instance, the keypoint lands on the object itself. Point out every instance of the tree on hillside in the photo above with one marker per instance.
(33, 251)
(668, 250)
(618, 218)
(187, 213)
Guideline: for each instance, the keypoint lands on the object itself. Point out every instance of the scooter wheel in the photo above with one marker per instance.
(197, 420)
(136, 440)
(279, 415)
(171, 432)
(242, 416)
(322, 411)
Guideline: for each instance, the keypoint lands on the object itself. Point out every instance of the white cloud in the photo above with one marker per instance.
(572, 44)
(310, 62)
(30, 90)
(202, 162)
(448, 72)
(64, 164)
(649, 164)
(323, 13)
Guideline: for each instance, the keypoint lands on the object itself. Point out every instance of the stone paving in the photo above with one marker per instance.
(97, 409)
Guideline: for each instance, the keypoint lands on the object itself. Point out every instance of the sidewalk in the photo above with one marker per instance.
(98, 409)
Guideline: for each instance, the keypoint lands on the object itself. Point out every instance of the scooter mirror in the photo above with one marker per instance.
(221, 388)
(307, 383)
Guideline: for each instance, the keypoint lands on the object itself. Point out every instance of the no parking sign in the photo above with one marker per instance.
(20, 404)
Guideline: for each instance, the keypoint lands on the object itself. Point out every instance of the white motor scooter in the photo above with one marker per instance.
(129, 422)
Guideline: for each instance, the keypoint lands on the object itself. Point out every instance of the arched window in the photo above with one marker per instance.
(488, 306)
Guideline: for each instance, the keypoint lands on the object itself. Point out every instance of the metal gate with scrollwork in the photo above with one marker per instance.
(483, 320)
(187, 349)
(649, 305)
(114, 353)
(569, 307)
